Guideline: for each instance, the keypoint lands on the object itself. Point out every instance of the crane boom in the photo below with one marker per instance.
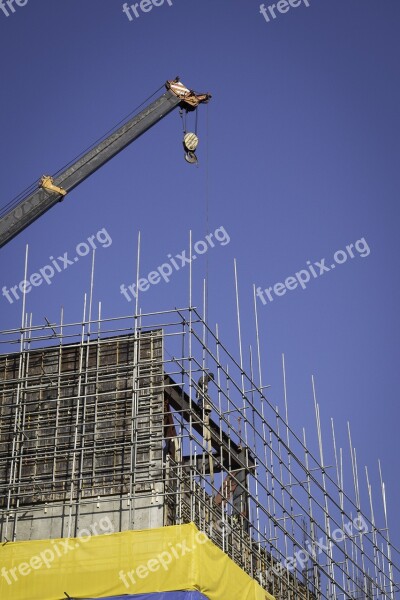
(51, 191)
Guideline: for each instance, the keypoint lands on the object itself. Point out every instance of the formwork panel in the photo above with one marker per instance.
(81, 427)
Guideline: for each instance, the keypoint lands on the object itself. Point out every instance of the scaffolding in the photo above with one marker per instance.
(150, 420)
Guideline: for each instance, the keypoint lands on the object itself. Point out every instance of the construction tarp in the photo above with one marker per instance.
(127, 564)
(162, 596)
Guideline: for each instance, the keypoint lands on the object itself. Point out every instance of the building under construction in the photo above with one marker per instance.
(140, 459)
(148, 424)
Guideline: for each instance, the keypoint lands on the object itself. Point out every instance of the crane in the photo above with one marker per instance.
(52, 190)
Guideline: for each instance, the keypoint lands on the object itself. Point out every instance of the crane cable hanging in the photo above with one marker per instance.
(209, 376)
(207, 206)
(190, 139)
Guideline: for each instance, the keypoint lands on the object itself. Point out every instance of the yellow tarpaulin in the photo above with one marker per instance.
(131, 562)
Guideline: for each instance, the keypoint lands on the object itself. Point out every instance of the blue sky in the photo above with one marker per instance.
(298, 159)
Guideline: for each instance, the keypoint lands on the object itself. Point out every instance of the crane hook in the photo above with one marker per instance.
(190, 143)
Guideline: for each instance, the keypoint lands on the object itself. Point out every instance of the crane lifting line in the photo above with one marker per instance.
(207, 203)
(15, 201)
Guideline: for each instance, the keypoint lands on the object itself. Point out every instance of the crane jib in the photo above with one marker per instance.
(52, 191)
(25, 213)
